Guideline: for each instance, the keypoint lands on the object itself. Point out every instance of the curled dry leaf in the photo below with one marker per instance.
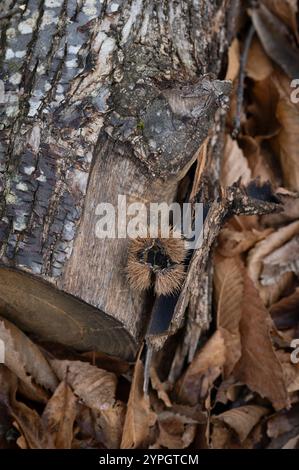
(139, 417)
(293, 443)
(286, 11)
(284, 259)
(288, 139)
(234, 165)
(276, 40)
(95, 387)
(234, 242)
(259, 368)
(228, 390)
(290, 201)
(258, 65)
(260, 157)
(263, 123)
(290, 370)
(241, 420)
(283, 426)
(229, 291)
(286, 142)
(285, 313)
(160, 387)
(30, 425)
(261, 250)
(52, 430)
(101, 428)
(110, 425)
(25, 359)
(175, 431)
(59, 416)
(206, 366)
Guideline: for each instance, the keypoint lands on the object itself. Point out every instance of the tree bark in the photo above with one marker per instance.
(99, 99)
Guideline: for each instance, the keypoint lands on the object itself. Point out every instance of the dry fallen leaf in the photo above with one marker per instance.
(234, 165)
(283, 426)
(159, 387)
(229, 291)
(241, 420)
(234, 242)
(59, 416)
(95, 387)
(259, 66)
(25, 359)
(30, 425)
(206, 366)
(175, 431)
(288, 138)
(139, 417)
(290, 370)
(287, 11)
(256, 256)
(285, 312)
(263, 123)
(100, 428)
(276, 40)
(110, 422)
(259, 367)
(283, 259)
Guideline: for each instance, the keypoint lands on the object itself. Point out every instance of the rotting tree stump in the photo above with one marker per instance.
(98, 99)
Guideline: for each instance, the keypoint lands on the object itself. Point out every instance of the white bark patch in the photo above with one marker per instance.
(90, 8)
(10, 33)
(58, 99)
(53, 3)
(49, 17)
(2, 92)
(20, 54)
(59, 89)
(11, 97)
(41, 69)
(114, 7)
(71, 63)
(19, 224)
(33, 107)
(15, 79)
(28, 170)
(10, 54)
(11, 199)
(11, 111)
(34, 139)
(47, 86)
(27, 26)
(74, 49)
(22, 187)
(145, 23)
(134, 12)
(41, 178)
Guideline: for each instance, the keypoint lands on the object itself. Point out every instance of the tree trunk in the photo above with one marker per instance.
(99, 99)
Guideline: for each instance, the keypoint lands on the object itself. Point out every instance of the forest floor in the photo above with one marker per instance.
(241, 388)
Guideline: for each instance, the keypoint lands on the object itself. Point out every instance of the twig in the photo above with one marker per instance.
(240, 90)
